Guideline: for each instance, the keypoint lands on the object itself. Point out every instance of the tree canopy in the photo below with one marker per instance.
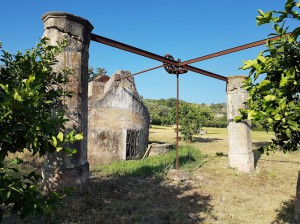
(94, 74)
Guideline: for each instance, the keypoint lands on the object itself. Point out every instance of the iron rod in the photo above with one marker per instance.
(131, 49)
(228, 51)
(177, 118)
(147, 54)
(206, 73)
(137, 73)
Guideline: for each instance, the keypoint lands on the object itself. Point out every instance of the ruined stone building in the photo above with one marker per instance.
(118, 121)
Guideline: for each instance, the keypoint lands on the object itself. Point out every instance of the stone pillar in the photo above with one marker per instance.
(297, 200)
(239, 134)
(61, 170)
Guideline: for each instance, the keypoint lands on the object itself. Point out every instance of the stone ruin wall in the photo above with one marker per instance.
(115, 109)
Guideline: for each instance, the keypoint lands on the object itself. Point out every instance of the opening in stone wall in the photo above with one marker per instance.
(132, 144)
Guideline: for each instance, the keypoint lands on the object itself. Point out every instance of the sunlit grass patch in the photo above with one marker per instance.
(189, 158)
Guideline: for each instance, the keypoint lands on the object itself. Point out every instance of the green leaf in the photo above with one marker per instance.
(7, 138)
(289, 133)
(16, 161)
(4, 194)
(251, 114)
(278, 28)
(237, 119)
(79, 137)
(263, 17)
(261, 58)
(54, 143)
(48, 101)
(71, 151)
(277, 117)
(249, 64)
(4, 87)
(31, 78)
(284, 82)
(282, 103)
(264, 83)
(269, 98)
(35, 142)
(270, 121)
(60, 136)
(17, 96)
(291, 73)
(295, 34)
(18, 127)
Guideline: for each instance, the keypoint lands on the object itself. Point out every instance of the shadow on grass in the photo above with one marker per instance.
(259, 144)
(157, 127)
(134, 200)
(200, 139)
(157, 142)
(257, 155)
(286, 214)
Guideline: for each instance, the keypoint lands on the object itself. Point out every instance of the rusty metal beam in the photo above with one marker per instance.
(228, 51)
(131, 49)
(147, 54)
(204, 72)
(137, 73)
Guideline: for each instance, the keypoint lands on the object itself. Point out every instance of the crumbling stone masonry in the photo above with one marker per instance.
(61, 170)
(118, 120)
(239, 134)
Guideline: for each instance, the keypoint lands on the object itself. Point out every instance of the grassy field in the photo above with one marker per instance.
(142, 192)
(265, 196)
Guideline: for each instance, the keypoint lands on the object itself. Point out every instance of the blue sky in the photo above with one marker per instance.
(183, 28)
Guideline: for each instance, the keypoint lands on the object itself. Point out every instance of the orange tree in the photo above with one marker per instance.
(274, 101)
(32, 118)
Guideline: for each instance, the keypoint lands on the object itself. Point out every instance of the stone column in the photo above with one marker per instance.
(297, 200)
(59, 169)
(239, 134)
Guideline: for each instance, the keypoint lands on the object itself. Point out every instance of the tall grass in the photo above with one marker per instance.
(189, 159)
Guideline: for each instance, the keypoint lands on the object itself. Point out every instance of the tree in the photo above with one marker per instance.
(32, 118)
(94, 74)
(190, 121)
(274, 102)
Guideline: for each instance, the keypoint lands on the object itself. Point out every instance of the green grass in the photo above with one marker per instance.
(189, 159)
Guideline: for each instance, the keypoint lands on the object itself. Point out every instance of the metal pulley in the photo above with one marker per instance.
(173, 69)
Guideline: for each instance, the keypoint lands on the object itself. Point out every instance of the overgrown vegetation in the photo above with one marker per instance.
(275, 101)
(31, 118)
(189, 158)
(94, 74)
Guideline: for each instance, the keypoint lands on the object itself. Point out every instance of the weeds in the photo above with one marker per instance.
(189, 158)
